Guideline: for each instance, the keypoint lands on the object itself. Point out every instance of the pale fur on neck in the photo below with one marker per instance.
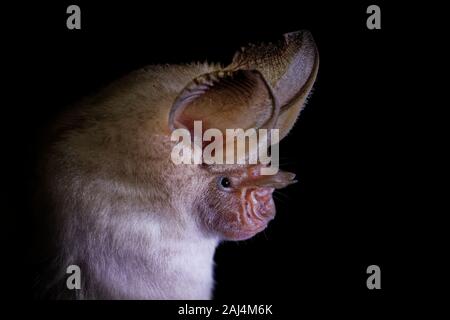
(115, 219)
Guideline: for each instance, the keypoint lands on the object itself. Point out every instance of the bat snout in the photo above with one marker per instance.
(257, 210)
(279, 180)
(261, 204)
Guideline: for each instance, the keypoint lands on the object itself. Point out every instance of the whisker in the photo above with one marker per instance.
(278, 192)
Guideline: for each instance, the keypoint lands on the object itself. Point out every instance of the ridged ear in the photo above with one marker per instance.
(289, 66)
(225, 100)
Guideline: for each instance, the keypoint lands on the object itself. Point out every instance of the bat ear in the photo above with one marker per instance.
(290, 67)
(225, 100)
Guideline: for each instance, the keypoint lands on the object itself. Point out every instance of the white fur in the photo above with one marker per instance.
(121, 208)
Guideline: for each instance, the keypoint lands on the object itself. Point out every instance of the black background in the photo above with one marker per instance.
(348, 210)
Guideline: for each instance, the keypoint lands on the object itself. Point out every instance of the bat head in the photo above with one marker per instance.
(239, 201)
(265, 87)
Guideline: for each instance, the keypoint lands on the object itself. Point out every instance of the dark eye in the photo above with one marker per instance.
(225, 182)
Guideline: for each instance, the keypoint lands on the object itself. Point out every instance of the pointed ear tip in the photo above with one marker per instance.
(305, 36)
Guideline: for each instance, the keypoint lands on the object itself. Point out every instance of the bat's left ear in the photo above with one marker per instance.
(225, 100)
(290, 66)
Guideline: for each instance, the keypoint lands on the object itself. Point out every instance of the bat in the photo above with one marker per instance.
(138, 225)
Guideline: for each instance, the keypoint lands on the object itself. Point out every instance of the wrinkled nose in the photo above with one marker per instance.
(260, 205)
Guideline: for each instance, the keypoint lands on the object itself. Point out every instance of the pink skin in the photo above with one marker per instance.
(243, 209)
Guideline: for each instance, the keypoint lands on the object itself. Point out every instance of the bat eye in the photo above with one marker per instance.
(224, 183)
